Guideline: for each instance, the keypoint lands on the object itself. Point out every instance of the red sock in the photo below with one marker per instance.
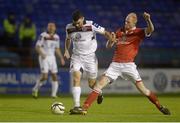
(90, 99)
(153, 98)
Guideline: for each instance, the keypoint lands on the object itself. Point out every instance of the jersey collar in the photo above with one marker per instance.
(131, 30)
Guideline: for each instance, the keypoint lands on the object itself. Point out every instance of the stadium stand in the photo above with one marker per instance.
(160, 50)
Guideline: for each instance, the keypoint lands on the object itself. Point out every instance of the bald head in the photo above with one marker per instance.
(130, 21)
(132, 16)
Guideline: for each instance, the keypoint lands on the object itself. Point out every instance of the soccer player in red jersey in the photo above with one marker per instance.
(127, 44)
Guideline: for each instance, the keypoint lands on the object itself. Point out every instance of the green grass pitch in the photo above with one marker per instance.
(114, 108)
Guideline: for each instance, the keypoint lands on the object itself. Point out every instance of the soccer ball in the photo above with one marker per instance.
(57, 108)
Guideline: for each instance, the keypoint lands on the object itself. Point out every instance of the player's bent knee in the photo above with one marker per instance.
(76, 81)
(92, 83)
(44, 78)
(54, 77)
(91, 86)
(103, 81)
(143, 89)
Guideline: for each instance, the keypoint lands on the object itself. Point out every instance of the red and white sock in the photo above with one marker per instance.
(90, 99)
(153, 98)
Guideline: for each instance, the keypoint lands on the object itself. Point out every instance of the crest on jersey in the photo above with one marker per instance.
(77, 37)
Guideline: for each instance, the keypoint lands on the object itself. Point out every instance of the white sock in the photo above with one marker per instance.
(38, 85)
(55, 86)
(76, 91)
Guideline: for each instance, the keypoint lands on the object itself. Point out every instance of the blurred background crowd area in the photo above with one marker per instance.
(22, 21)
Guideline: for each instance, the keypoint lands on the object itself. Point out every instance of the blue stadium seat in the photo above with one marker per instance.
(108, 13)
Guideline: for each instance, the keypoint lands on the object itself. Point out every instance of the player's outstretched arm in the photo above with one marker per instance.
(150, 26)
(59, 54)
(40, 52)
(108, 36)
(67, 46)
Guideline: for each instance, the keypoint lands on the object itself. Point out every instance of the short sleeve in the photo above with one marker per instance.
(58, 42)
(97, 28)
(68, 30)
(40, 40)
(141, 33)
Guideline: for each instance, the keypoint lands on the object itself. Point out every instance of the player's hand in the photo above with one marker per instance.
(146, 16)
(43, 56)
(114, 40)
(66, 54)
(62, 61)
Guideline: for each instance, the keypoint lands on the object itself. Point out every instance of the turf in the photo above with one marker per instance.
(114, 108)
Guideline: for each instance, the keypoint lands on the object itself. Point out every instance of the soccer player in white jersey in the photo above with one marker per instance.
(83, 35)
(47, 46)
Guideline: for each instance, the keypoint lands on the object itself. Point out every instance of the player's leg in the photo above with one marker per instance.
(39, 82)
(75, 67)
(101, 83)
(44, 67)
(91, 67)
(152, 97)
(76, 92)
(92, 83)
(110, 75)
(54, 70)
(130, 72)
(55, 85)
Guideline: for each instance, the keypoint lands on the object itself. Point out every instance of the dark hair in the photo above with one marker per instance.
(76, 15)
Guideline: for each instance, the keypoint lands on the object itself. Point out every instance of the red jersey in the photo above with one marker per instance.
(128, 44)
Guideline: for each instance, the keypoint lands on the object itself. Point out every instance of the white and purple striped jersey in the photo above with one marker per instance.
(84, 40)
(48, 43)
